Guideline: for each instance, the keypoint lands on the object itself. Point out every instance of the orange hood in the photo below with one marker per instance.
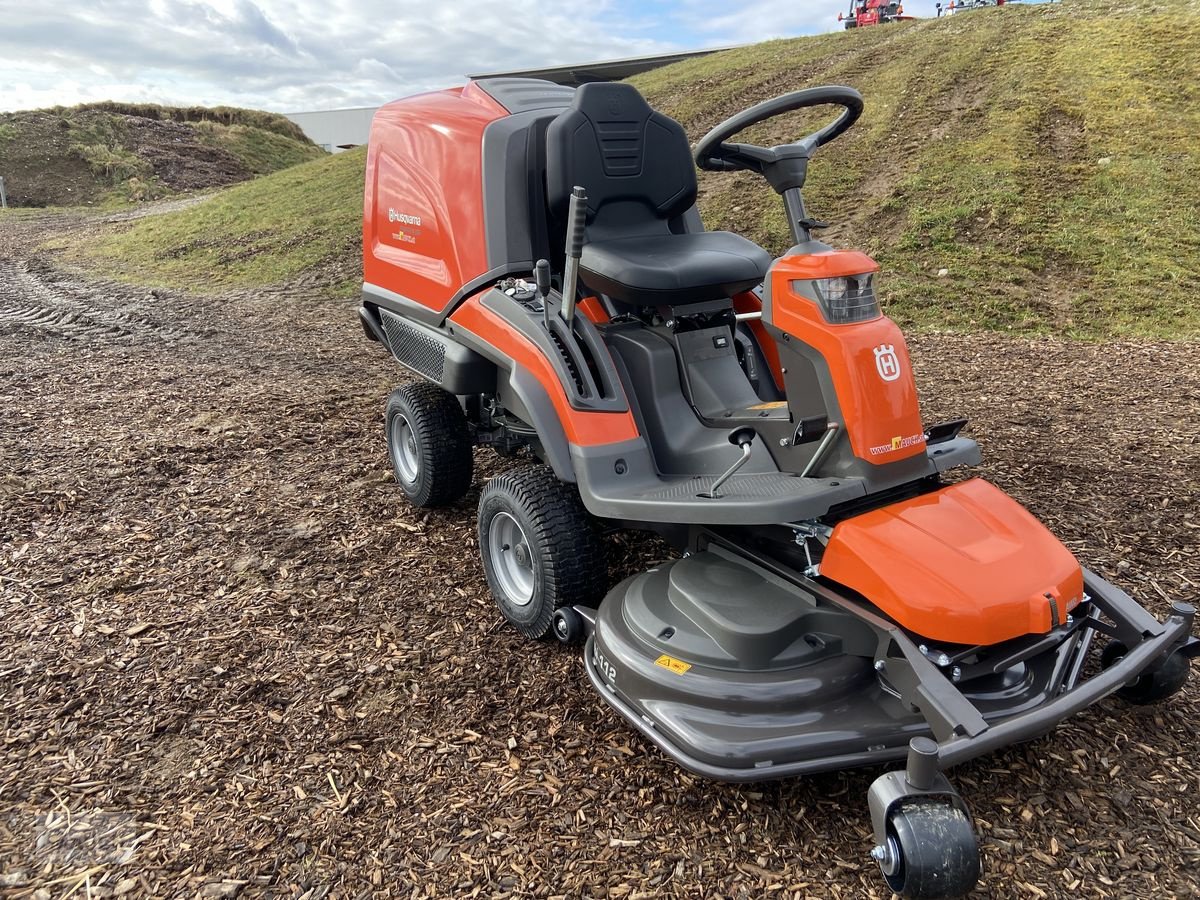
(965, 564)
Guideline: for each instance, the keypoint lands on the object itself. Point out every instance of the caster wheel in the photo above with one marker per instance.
(541, 549)
(1155, 683)
(931, 852)
(568, 626)
(429, 444)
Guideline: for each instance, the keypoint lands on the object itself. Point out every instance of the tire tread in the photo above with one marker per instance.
(575, 559)
(445, 443)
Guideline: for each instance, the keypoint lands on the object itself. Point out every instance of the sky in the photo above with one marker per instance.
(298, 55)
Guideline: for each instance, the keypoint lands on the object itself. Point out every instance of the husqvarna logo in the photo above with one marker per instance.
(887, 363)
(403, 218)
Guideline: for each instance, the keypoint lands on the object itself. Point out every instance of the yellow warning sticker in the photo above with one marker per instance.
(774, 404)
(678, 666)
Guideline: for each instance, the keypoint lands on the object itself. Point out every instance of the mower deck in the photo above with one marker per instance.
(806, 680)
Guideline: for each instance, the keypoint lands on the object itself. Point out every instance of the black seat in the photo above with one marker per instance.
(637, 169)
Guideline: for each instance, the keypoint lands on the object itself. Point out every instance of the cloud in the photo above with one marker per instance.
(287, 55)
(291, 55)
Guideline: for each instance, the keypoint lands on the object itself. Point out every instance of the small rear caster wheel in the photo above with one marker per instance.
(1156, 683)
(429, 444)
(568, 626)
(930, 853)
(541, 549)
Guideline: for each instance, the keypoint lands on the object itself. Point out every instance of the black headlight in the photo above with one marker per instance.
(847, 298)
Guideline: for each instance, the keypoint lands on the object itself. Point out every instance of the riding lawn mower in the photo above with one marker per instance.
(838, 598)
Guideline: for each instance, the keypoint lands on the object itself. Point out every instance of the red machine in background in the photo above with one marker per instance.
(960, 5)
(872, 12)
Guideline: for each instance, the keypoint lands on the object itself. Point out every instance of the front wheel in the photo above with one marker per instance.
(541, 549)
(1156, 682)
(931, 851)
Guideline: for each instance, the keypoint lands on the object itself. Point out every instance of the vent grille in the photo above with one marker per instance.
(412, 347)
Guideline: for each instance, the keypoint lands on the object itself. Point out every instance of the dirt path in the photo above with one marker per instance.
(234, 661)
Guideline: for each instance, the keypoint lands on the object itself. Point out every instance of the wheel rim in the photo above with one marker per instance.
(403, 443)
(512, 561)
(889, 859)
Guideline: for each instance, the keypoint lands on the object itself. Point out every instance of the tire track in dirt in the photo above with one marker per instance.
(73, 310)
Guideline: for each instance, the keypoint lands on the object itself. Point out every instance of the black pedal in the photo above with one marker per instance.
(810, 429)
(944, 431)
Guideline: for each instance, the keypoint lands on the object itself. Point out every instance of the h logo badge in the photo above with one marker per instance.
(887, 363)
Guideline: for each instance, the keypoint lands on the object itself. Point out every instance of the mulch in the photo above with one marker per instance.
(235, 663)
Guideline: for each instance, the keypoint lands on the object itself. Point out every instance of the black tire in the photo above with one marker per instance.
(429, 444)
(932, 852)
(557, 553)
(568, 626)
(1156, 683)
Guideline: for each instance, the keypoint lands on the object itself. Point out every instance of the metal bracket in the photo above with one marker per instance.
(924, 686)
(921, 778)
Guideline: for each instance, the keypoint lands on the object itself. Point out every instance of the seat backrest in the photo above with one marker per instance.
(635, 163)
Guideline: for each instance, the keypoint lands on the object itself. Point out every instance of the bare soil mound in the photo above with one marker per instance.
(80, 155)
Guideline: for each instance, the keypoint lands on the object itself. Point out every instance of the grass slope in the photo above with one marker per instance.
(307, 218)
(1044, 156)
(109, 152)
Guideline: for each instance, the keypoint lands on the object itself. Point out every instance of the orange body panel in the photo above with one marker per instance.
(423, 228)
(829, 264)
(582, 428)
(590, 307)
(965, 564)
(868, 361)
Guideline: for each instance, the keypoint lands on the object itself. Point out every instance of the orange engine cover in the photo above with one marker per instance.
(423, 228)
(965, 564)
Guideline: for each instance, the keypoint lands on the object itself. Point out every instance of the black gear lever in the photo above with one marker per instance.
(739, 437)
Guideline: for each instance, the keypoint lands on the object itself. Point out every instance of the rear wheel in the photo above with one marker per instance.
(1158, 682)
(429, 444)
(541, 549)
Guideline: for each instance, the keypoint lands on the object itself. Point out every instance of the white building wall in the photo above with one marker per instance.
(331, 128)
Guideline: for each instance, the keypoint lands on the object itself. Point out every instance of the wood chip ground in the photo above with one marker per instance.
(235, 663)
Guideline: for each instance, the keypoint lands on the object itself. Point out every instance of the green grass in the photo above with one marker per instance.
(219, 115)
(260, 150)
(1045, 156)
(270, 230)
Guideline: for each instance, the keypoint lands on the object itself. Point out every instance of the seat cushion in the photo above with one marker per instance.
(673, 269)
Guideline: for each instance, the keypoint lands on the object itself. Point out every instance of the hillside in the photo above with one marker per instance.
(1044, 156)
(119, 151)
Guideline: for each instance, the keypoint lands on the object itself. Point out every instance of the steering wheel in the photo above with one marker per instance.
(786, 164)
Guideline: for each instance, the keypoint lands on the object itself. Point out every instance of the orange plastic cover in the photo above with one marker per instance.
(868, 361)
(966, 564)
(582, 428)
(423, 229)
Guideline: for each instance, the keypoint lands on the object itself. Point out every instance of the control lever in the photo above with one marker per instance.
(541, 278)
(576, 223)
(739, 437)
